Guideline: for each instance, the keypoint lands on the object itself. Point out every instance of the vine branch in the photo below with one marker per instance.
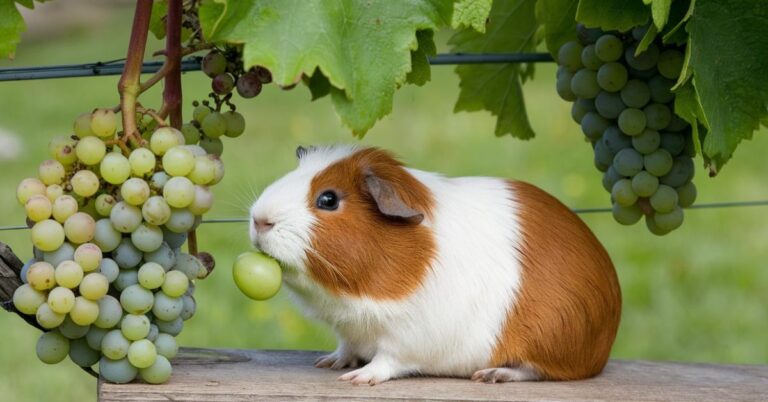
(129, 85)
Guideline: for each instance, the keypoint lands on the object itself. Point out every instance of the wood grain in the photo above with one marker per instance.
(254, 375)
(10, 267)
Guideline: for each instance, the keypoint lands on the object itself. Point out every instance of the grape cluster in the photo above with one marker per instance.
(108, 281)
(624, 104)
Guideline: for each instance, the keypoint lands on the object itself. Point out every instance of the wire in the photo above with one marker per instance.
(115, 67)
(712, 205)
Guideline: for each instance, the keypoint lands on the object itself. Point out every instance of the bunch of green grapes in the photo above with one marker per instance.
(623, 101)
(108, 281)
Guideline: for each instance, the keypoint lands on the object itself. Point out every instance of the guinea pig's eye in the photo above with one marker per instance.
(328, 200)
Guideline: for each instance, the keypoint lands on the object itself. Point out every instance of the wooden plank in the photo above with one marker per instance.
(10, 268)
(253, 375)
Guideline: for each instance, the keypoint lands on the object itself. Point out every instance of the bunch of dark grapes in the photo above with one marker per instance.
(624, 104)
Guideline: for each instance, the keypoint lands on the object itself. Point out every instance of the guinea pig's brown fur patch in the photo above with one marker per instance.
(358, 251)
(567, 312)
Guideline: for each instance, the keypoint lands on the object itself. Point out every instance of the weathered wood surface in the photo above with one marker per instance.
(253, 375)
(10, 267)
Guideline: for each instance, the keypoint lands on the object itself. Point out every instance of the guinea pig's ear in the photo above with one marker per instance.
(389, 202)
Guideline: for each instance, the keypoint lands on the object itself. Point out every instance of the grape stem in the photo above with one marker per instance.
(152, 113)
(129, 85)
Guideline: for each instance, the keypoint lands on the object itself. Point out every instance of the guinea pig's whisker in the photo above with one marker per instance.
(333, 268)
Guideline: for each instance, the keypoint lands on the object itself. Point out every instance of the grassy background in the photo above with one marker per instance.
(698, 294)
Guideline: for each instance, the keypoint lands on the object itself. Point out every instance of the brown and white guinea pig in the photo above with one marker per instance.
(421, 274)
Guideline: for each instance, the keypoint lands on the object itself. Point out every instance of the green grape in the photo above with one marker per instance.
(191, 133)
(84, 312)
(85, 183)
(615, 139)
(219, 170)
(669, 221)
(90, 150)
(635, 93)
(610, 178)
(673, 142)
(609, 104)
(52, 347)
(63, 253)
(178, 161)
(104, 204)
(593, 125)
(158, 373)
(608, 48)
(612, 76)
(212, 146)
(53, 192)
(147, 238)
(105, 236)
(126, 255)
(204, 171)
(79, 228)
(588, 35)
(196, 150)
(628, 162)
(584, 84)
(579, 109)
(63, 207)
(153, 332)
(639, 32)
(677, 124)
(188, 264)
(653, 228)
(660, 88)
(174, 239)
(71, 330)
(690, 148)
(126, 278)
(135, 191)
(563, 86)
(626, 215)
(68, 274)
(589, 58)
(203, 201)
(179, 192)
(158, 180)
(632, 121)
(175, 284)
(63, 150)
(200, 112)
(167, 308)
(151, 275)
(136, 300)
(88, 255)
(657, 116)
(109, 268)
(61, 300)
(41, 276)
(647, 142)
(623, 194)
(165, 138)
(603, 156)
(47, 235)
(115, 168)
(156, 211)
(166, 346)
(645, 60)
(257, 275)
(569, 56)
(25, 268)
(142, 353)
(117, 371)
(172, 328)
(82, 354)
(103, 123)
(213, 64)
(115, 345)
(686, 194)
(27, 300)
(142, 162)
(28, 188)
(125, 217)
(94, 337)
(214, 125)
(664, 199)
(658, 162)
(38, 208)
(681, 172)
(164, 256)
(82, 126)
(94, 286)
(47, 318)
(51, 172)
(645, 184)
(189, 307)
(110, 312)
(670, 63)
(235, 124)
(135, 326)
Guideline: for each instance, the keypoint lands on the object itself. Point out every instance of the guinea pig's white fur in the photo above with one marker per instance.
(453, 322)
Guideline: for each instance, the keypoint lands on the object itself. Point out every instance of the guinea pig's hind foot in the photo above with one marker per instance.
(505, 374)
(337, 360)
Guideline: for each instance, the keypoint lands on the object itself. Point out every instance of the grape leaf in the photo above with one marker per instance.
(318, 84)
(679, 14)
(729, 64)
(421, 72)
(660, 12)
(497, 87)
(558, 19)
(688, 107)
(620, 15)
(471, 13)
(363, 48)
(11, 26)
(157, 19)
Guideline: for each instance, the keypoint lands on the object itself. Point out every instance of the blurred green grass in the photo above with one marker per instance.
(698, 294)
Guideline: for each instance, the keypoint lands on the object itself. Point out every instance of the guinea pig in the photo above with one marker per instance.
(422, 274)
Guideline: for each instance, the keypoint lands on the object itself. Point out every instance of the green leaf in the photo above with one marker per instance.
(363, 48)
(318, 84)
(660, 12)
(648, 38)
(497, 87)
(558, 19)
(157, 19)
(471, 13)
(620, 15)
(688, 107)
(421, 72)
(30, 4)
(11, 27)
(729, 64)
(680, 13)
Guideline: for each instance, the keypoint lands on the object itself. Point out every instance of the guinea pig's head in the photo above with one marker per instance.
(353, 220)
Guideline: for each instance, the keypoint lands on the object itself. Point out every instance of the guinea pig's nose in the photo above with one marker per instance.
(262, 225)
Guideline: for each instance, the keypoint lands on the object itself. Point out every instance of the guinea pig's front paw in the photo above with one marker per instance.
(371, 374)
(338, 360)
